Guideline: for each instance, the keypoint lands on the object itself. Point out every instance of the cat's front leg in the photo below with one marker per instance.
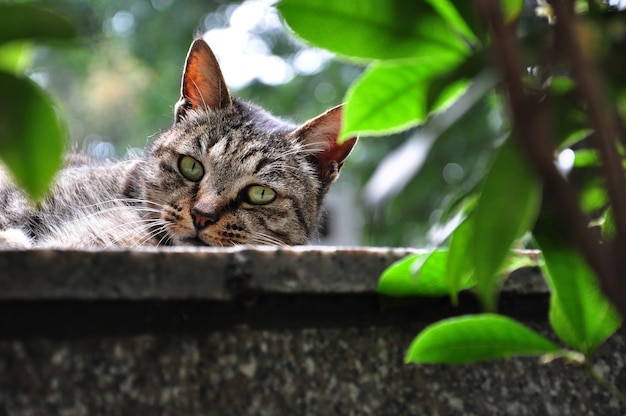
(14, 238)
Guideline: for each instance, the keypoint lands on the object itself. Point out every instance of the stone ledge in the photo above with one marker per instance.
(202, 273)
(269, 331)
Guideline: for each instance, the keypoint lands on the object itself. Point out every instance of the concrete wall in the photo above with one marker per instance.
(257, 332)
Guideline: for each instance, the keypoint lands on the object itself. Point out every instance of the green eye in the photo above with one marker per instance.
(190, 168)
(260, 195)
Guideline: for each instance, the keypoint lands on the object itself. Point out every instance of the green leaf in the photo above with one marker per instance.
(577, 135)
(454, 17)
(459, 270)
(15, 56)
(21, 22)
(473, 338)
(586, 157)
(392, 96)
(511, 9)
(608, 225)
(398, 279)
(560, 84)
(508, 205)
(579, 313)
(421, 274)
(374, 29)
(467, 10)
(445, 87)
(469, 13)
(31, 137)
(518, 259)
(593, 195)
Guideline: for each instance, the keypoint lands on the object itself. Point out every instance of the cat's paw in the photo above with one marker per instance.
(14, 238)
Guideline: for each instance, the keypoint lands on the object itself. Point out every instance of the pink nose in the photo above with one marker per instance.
(203, 218)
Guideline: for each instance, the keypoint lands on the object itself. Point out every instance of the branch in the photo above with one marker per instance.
(529, 122)
(603, 118)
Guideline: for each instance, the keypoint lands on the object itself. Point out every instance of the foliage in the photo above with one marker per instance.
(473, 338)
(551, 67)
(26, 113)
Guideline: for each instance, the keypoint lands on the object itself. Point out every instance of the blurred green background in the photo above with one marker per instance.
(117, 88)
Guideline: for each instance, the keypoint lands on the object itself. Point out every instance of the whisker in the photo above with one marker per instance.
(104, 212)
(150, 227)
(126, 201)
(153, 233)
(262, 238)
(165, 237)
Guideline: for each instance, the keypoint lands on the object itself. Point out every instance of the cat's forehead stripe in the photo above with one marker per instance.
(252, 152)
(227, 143)
(261, 163)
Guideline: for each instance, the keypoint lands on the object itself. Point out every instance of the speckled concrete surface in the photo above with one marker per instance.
(322, 366)
(357, 371)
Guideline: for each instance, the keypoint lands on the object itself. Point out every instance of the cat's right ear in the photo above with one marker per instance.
(203, 85)
(319, 137)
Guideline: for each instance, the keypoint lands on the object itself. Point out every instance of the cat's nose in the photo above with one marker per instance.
(203, 218)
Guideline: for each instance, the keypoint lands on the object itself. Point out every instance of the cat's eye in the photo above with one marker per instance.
(260, 195)
(190, 168)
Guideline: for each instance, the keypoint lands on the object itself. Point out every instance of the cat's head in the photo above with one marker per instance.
(227, 172)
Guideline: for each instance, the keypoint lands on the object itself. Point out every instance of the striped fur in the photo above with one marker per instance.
(149, 201)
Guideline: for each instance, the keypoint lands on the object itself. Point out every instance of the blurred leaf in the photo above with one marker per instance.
(21, 22)
(461, 14)
(473, 338)
(445, 87)
(447, 96)
(608, 225)
(560, 84)
(444, 271)
(373, 29)
(462, 204)
(507, 207)
(452, 15)
(511, 9)
(392, 96)
(593, 195)
(421, 274)
(31, 137)
(586, 158)
(460, 270)
(15, 56)
(519, 259)
(467, 11)
(579, 313)
(577, 134)
(569, 120)
(398, 279)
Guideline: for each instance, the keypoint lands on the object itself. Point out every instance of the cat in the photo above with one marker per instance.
(226, 173)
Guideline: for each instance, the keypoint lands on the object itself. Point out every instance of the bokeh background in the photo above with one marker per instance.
(118, 85)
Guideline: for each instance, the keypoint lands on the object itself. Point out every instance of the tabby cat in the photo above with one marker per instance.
(225, 173)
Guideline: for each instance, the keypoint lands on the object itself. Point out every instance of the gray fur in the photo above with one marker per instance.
(147, 201)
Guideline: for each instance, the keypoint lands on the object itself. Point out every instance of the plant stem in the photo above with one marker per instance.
(530, 121)
(606, 124)
(614, 391)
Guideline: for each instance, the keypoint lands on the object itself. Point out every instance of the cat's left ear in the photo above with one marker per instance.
(319, 136)
(203, 85)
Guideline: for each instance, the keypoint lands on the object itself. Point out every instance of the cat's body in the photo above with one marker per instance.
(225, 173)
